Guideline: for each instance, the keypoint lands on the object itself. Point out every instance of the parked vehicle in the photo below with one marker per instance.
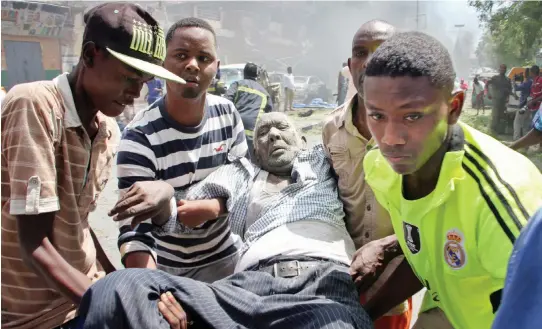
(231, 73)
(309, 87)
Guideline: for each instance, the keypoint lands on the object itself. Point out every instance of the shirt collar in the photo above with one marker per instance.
(306, 164)
(71, 117)
(347, 120)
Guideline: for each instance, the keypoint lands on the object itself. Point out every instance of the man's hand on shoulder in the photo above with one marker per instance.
(371, 260)
(144, 200)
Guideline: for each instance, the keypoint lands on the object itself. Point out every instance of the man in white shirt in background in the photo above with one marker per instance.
(289, 87)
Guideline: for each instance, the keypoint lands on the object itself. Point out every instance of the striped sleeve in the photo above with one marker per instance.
(28, 136)
(502, 221)
(239, 146)
(136, 162)
(229, 182)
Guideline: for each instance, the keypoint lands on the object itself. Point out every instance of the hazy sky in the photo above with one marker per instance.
(457, 12)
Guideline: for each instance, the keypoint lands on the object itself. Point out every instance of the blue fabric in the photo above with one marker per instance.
(537, 120)
(153, 93)
(521, 303)
(322, 297)
(525, 89)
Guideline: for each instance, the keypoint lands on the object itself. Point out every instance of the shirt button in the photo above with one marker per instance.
(368, 207)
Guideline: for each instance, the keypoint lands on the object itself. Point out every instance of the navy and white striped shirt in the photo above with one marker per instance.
(156, 147)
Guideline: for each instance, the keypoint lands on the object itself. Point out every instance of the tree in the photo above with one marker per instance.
(513, 31)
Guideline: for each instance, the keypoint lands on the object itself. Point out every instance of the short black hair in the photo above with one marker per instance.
(377, 29)
(289, 69)
(535, 69)
(189, 22)
(250, 71)
(413, 54)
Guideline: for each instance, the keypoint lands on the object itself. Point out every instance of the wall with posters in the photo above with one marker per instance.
(35, 22)
(33, 19)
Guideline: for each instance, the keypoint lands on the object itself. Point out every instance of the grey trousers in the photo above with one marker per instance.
(322, 297)
(522, 124)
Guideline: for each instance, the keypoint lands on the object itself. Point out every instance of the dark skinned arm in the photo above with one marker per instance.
(401, 285)
(533, 137)
(191, 214)
(534, 100)
(372, 259)
(139, 259)
(489, 82)
(39, 253)
(196, 212)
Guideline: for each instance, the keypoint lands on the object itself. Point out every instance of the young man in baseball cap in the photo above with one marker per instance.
(58, 143)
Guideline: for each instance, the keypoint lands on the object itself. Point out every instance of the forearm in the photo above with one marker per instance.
(39, 253)
(137, 247)
(533, 137)
(45, 260)
(207, 210)
(391, 247)
(139, 259)
(214, 208)
(534, 100)
(401, 285)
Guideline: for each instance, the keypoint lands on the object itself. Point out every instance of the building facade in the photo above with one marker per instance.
(31, 41)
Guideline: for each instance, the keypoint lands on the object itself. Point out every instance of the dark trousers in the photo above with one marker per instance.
(323, 296)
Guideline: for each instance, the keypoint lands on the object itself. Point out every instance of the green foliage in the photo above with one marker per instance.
(513, 31)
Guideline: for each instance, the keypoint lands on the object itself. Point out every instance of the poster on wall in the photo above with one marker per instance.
(33, 19)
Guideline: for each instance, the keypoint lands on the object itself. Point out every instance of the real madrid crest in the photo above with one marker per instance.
(454, 249)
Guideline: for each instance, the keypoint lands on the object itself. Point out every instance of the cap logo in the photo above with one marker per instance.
(143, 37)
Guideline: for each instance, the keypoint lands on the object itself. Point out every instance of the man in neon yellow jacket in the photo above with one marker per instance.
(457, 198)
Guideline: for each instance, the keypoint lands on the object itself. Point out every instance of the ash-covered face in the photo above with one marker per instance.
(276, 143)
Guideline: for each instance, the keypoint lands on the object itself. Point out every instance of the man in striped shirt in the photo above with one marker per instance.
(175, 143)
(58, 140)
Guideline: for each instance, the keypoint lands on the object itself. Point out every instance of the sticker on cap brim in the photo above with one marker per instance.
(454, 249)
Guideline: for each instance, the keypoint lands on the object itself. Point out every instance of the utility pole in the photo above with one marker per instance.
(417, 15)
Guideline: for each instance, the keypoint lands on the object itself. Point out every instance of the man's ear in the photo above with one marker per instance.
(256, 159)
(349, 59)
(458, 100)
(89, 53)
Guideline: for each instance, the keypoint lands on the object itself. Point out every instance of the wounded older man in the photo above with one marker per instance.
(293, 269)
